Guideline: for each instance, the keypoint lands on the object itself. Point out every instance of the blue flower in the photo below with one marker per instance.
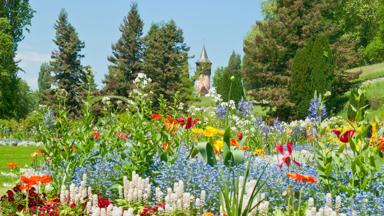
(244, 107)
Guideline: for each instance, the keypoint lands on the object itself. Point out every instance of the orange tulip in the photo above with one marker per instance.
(234, 142)
(245, 148)
(302, 178)
(156, 116)
(12, 165)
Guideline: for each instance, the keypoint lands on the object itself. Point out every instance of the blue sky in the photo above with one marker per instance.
(219, 24)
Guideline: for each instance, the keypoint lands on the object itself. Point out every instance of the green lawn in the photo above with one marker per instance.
(369, 72)
(19, 155)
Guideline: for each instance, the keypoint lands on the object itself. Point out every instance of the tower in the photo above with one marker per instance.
(203, 68)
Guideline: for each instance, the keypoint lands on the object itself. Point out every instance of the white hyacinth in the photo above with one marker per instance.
(327, 210)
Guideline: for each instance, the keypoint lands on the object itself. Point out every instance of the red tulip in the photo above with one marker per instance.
(346, 136)
(287, 158)
(96, 134)
(190, 122)
(240, 136)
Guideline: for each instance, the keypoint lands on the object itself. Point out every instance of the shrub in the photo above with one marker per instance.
(312, 71)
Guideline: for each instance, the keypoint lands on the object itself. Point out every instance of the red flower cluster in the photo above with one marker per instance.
(122, 136)
(286, 158)
(151, 211)
(15, 199)
(345, 137)
(103, 203)
(189, 123)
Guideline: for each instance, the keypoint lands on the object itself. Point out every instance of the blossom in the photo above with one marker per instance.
(37, 153)
(123, 136)
(156, 116)
(221, 111)
(344, 138)
(12, 165)
(240, 136)
(207, 214)
(218, 145)
(259, 152)
(34, 180)
(103, 203)
(234, 142)
(244, 107)
(96, 134)
(244, 148)
(286, 158)
(171, 124)
(302, 178)
(191, 122)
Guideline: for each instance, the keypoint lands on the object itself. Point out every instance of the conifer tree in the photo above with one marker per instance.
(68, 73)
(312, 70)
(223, 83)
(126, 59)
(166, 60)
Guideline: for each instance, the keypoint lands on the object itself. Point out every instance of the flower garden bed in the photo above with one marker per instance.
(203, 161)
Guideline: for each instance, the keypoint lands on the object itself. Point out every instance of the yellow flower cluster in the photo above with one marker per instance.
(208, 131)
(218, 145)
(259, 152)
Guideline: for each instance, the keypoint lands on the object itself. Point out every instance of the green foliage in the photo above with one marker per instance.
(68, 74)
(233, 194)
(127, 53)
(374, 51)
(8, 71)
(19, 14)
(357, 105)
(312, 70)
(222, 80)
(165, 61)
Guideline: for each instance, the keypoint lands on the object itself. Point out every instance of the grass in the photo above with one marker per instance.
(19, 155)
(369, 72)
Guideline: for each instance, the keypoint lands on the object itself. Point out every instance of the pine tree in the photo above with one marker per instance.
(68, 73)
(312, 70)
(126, 59)
(223, 82)
(166, 60)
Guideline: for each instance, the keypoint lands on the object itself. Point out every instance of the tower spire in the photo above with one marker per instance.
(203, 56)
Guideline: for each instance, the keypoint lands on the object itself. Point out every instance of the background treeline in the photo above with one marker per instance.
(300, 46)
(305, 45)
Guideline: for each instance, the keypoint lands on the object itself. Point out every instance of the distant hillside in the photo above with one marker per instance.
(369, 72)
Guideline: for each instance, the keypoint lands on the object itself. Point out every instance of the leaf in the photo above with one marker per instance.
(238, 157)
(211, 158)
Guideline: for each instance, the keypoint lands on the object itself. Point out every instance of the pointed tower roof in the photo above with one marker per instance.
(204, 57)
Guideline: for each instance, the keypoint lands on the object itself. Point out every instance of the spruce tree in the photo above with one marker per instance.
(166, 60)
(68, 73)
(126, 59)
(223, 83)
(312, 70)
